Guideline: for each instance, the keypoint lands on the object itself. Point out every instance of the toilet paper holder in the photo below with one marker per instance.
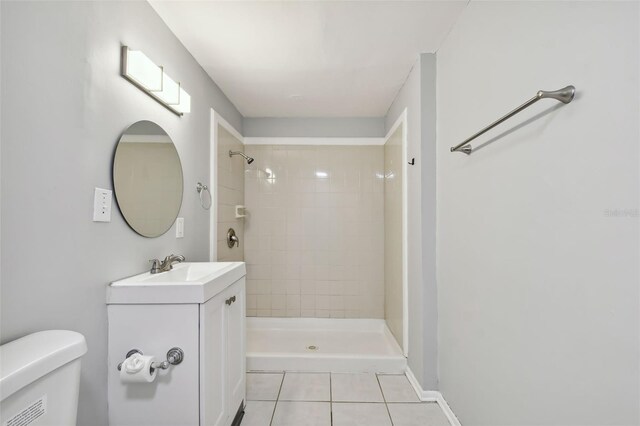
(174, 357)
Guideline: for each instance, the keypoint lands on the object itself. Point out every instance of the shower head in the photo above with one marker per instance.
(249, 159)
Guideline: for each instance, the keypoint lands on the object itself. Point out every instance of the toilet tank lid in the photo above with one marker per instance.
(28, 358)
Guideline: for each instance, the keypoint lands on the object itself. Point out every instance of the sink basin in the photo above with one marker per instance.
(187, 282)
(182, 273)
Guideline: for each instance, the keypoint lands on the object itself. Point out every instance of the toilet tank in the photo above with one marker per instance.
(40, 379)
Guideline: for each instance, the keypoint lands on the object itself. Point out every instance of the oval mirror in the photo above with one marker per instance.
(147, 179)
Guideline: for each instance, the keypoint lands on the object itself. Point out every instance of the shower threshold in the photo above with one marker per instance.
(322, 345)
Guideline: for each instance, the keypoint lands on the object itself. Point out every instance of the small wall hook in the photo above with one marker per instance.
(412, 162)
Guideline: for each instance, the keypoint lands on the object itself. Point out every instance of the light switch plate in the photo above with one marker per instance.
(102, 205)
(180, 227)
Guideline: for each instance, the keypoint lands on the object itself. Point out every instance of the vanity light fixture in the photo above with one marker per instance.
(151, 79)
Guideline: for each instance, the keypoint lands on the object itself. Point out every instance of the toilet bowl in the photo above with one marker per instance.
(40, 379)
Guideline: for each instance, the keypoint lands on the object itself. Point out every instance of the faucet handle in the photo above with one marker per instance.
(174, 258)
(156, 266)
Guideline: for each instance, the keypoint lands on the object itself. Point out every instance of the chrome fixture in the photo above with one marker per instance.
(564, 95)
(174, 357)
(143, 73)
(166, 264)
(200, 188)
(232, 239)
(249, 159)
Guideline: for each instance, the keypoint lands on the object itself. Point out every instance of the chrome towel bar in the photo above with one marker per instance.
(564, 95)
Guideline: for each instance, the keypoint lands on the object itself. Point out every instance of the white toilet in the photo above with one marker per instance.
(40, 379)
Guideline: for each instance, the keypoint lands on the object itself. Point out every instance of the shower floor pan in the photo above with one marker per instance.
(322, 345)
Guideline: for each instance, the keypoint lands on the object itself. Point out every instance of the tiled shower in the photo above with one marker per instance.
(314, 234)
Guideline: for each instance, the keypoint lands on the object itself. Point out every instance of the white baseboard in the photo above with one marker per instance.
(447, 411)
(427, 396)
(432, 396)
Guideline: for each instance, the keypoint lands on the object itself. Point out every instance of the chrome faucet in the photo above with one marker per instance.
(166, 265)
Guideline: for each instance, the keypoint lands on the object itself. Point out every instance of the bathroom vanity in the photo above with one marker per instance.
(199, 308)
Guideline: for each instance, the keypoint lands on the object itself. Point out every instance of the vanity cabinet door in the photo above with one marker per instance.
(222, 356)
(236, 341)
(213, 375)
(172, 398)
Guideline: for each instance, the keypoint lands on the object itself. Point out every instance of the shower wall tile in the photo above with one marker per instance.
(314, 238)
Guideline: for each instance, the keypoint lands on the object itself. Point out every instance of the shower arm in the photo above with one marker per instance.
(232, 153)
(564, 95)
(245, 156)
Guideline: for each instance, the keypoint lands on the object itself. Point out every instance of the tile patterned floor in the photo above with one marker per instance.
(324, 399)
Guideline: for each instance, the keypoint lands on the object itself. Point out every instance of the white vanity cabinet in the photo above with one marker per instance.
(204, 315)
(222, 351)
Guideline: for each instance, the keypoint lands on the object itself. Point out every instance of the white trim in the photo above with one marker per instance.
(444, 406)
(313, 141)
(432, 396)
(427, 396)
(213, 182)
(402, 121)
(216, 119)
(224, 123)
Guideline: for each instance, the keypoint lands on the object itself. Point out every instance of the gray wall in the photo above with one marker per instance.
(418, 97)
(428, 192)
(64, 106)
(314, 127)
(538, 248)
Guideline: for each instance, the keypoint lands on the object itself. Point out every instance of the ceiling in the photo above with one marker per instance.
(309, 58)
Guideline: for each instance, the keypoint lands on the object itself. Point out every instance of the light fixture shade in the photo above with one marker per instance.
(185, 102)
(151, 79)
(170, 93)
(142, 70)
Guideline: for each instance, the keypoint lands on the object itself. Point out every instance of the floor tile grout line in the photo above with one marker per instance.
(284, 373)
(273, 414)
(307, 400)
(262, 400)
(384, 398)
(332, 402)
(361, 401)
(330, 399)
